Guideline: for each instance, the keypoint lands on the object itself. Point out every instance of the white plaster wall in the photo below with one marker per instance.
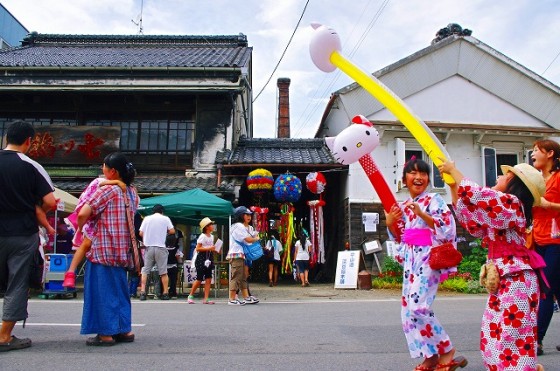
(456, 100)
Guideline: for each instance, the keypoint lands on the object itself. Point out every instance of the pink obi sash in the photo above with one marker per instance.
(499, 249)
(417, 236)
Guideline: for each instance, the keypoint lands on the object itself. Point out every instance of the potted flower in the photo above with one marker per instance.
(224, 278)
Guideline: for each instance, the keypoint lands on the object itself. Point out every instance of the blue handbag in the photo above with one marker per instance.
(252, 251)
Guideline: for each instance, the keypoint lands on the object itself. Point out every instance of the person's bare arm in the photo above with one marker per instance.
(49, 202)
(113, 182)
(83, 215)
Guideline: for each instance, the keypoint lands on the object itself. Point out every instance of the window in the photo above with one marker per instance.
(501, 153)
(403, 153)
(144, 140)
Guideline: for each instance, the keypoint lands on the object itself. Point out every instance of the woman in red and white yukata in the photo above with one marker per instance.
(498, 216)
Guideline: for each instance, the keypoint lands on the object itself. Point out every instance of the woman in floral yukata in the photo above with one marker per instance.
(499, 215)
(428, 222)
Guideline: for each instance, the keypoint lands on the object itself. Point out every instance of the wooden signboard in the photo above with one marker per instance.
(347, 269)
(58, 144)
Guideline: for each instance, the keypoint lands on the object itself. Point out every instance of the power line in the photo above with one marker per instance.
(546, 69)
(283, 53)
(328, 89)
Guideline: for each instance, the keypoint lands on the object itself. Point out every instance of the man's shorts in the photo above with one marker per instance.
(155, 256)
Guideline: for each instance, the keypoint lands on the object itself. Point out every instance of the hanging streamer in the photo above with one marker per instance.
(287, 234)
(316, 225)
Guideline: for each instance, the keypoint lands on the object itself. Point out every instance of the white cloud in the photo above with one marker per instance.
(524, 30)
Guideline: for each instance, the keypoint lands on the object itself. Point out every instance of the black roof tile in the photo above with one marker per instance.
(148, 185)
(117, 51)
(278, 151)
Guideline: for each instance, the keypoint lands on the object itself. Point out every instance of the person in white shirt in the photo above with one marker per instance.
(301, 259)
(240, 232)
(154, 230)
(204, 261)
(274, 248)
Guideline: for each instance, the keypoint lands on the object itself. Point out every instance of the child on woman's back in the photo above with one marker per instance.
(82, 238)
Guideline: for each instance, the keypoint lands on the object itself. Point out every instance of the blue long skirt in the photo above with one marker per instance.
(107, 308)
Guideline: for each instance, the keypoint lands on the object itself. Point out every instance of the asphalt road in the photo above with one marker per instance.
(322, 329)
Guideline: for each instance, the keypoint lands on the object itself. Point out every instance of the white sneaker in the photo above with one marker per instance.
(251, 300)
(236, 302)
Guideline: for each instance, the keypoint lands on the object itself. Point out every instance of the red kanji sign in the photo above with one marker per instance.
(65, 145)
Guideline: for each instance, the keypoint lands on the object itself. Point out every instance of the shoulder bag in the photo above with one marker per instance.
(134, 248)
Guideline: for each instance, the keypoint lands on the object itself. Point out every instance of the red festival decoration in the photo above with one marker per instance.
(316, 183)
(260, 219)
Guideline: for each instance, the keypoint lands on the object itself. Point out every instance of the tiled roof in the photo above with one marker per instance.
(148, 185)
(278, 151)
(117, 51)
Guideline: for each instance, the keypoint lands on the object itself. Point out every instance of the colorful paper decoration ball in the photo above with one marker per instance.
(260, 180)
(316, 182)
(287, 188)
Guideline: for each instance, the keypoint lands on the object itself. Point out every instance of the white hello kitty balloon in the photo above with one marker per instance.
(357, 140)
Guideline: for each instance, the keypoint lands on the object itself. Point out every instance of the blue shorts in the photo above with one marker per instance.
(302, 265)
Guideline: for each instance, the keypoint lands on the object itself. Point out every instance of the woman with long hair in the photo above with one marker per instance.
(499, 216)
(546, 229)
(301, 257)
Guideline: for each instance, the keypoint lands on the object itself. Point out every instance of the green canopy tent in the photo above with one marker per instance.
(189, 207)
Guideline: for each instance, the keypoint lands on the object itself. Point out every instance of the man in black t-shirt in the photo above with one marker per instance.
(24, 184)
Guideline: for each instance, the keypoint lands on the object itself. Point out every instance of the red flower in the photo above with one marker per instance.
(526, 346)
(507, 259)
(494, 303)
(465, 192)
(492, 367)
(442, 345)
(534, 302)
(411, 277)
(495, 331)
(470, 206)
(403, 301)
(508, 358)
(427, 331)
(504, 285)
(483, 342)
(520, 277)
(507, 201)
(513, 316)
(491, 207)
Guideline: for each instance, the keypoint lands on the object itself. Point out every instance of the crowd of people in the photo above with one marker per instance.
(516, 221)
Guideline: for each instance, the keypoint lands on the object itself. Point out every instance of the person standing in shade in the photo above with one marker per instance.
(546, 158)
(154, 230)
(301, 258)
(22, 183)
(275, 249)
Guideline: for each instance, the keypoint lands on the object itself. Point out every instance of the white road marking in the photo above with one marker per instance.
(67, 324)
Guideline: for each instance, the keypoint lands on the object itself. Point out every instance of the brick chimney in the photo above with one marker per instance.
(283, 107)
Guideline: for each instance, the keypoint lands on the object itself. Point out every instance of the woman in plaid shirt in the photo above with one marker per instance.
(107, 308)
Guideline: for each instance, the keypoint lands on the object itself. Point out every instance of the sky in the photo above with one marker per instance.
(374, 34)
